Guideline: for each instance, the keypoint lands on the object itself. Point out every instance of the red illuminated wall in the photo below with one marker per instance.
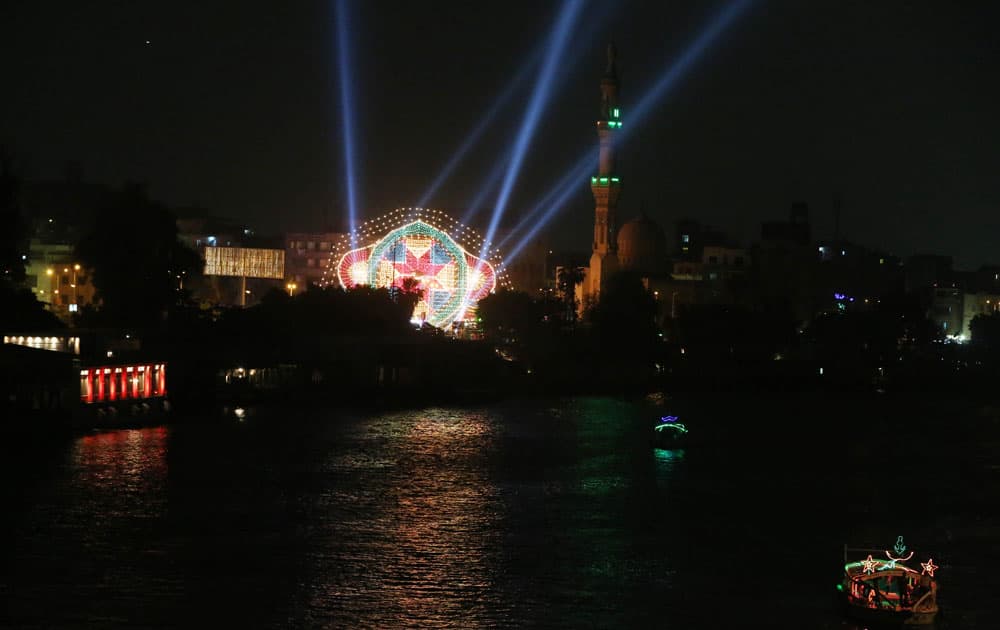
(103, 384)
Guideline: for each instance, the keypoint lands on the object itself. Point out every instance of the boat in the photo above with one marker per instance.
(670, 433)
(880, 588)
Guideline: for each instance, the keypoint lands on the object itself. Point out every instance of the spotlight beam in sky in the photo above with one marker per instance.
(492, 180)
(568, 182)
(660, 88)
(347, 101)
(480, 128)
(539, 98)
(552, 204)
(596, 17)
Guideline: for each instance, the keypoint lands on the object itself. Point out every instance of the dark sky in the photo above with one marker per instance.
(891, 104)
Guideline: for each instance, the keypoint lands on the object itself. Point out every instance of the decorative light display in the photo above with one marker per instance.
(425, 246)
(870, 564)
(674, 426)
(900, 549)
(245, 262)
(899, 593)
(929, 567)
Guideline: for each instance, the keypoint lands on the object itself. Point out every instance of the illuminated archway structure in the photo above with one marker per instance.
(427, 246)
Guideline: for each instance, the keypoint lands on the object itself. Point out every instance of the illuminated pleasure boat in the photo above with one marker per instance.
(882, 589)
(669, 433)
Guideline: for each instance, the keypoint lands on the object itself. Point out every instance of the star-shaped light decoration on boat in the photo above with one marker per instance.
(870, 564)
(929, 567)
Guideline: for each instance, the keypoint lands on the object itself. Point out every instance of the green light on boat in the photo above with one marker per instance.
(675, 426)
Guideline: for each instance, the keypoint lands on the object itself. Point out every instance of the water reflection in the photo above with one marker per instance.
(668, 457)
(424, 521)
(131, 460)
(87, 550)
(554, 514)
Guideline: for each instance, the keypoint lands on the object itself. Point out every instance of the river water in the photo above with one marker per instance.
(527, 514)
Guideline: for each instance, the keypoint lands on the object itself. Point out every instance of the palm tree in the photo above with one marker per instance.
(567, 279)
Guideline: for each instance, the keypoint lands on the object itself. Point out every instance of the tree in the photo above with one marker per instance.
(508, 314)
(13, 232)
(567, 280)
(625, 318)
(985, 331)
(22, 312)
(136, 259)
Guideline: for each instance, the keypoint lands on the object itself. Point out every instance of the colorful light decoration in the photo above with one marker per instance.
(900, 549)
(870, 564)
(675, 426)
(422, 245)
(929, 567)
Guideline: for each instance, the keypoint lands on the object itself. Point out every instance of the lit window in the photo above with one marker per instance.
(685, 238)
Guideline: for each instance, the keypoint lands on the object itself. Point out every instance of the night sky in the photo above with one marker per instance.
(891, 105)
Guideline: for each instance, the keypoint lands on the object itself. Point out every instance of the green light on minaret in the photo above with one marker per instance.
(615, 112)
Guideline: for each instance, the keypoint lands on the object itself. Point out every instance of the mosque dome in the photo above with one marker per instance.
(642, 246)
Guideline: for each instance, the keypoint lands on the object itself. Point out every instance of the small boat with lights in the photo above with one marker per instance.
(670, 433)
(879, 588)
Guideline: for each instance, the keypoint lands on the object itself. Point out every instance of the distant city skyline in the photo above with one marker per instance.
(890, 106)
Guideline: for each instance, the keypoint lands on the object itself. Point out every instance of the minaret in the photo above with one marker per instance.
(606, 185)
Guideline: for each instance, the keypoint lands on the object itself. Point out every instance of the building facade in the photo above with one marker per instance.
(57, 279)
(308, 254)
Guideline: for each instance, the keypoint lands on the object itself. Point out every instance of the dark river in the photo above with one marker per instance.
(538, 514)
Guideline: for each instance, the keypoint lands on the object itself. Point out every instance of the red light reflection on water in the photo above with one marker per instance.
(123, 463)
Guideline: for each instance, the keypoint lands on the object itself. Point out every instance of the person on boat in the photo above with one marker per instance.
(921, 589)
(872, 597)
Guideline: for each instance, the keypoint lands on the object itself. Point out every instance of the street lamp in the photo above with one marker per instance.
(291, 286)
(49, 272)
(76, 268)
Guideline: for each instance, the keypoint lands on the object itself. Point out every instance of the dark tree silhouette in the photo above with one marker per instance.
(13, 233)
(136, 259)
(509, 313)
(625, 318)
(985, 330)
(568, 278)
(22, 312)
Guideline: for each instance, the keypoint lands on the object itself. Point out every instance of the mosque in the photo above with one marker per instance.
(640, 246)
